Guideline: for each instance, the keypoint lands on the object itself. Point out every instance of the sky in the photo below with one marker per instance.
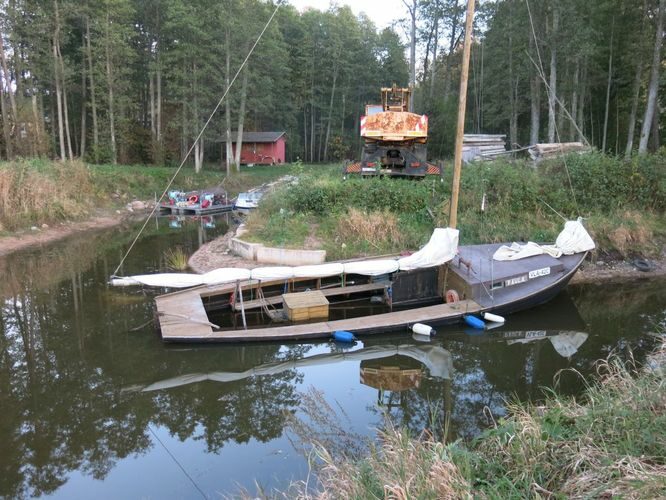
(382, 12)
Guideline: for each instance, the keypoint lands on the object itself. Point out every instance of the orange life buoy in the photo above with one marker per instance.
(452, 296)
(193, 199)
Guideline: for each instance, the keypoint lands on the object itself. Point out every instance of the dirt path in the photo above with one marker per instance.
(45, 235)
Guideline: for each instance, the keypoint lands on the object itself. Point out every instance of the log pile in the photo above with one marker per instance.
(540, 152)
(483, 147)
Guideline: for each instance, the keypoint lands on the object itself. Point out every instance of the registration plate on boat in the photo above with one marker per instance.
(539, 272)
(515, 281)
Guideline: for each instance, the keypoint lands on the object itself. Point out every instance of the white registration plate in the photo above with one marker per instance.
(539, 272)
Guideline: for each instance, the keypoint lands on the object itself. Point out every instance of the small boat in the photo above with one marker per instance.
(438, 285)
(248, 200)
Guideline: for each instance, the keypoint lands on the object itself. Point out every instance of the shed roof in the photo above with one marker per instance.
(255, 136)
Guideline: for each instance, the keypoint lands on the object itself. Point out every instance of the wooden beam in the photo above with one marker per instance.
(462, 101)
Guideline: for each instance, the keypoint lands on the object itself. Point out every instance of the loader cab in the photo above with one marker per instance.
(396, 99)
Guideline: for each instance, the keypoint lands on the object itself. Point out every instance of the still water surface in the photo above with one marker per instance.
(92, 407)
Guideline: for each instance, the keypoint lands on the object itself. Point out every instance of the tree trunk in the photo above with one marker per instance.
(109, 79)
(6, 126)
(433, 65)
(93, 100)
(552, 91)
(151, 98)
(65, 104)
(631, 128)
(7, 80)
(581, 101)
(452, 46)
(608, 89)
(227, 105)
(84, 113)
(61, 126)
(330, 110)
(241, 118)
(39, 129)
(305, 132)
(535, 99)
(654, 81)
(574, 100)
(412, 48)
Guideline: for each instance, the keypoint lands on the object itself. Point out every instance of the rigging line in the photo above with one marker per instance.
(542, 74)
(546, 203)
(203, 129)
(150, 428)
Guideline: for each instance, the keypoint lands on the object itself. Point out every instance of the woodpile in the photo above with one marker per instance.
(540, 152)
(483, 147)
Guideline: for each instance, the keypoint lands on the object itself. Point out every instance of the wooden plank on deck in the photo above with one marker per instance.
(366, 324)
(182, 316)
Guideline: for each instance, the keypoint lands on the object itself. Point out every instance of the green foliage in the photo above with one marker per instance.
(623, 201)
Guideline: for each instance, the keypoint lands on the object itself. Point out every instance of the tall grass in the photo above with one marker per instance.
(624, 203)
(608, 443)
(33, 192)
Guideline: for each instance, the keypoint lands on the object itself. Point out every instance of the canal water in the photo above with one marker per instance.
(94, 405)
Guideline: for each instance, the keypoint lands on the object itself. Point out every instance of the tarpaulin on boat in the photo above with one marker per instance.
(272, 273)
(183, 280)
(319, 270)
(574, 238)
(441, 248)
(375, 267)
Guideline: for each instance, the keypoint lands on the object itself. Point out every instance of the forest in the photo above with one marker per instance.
(134, 81)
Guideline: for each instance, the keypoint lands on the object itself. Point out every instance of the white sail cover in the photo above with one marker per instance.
(441, 248)
(319, 270)
(272, 273)
(371, 267)
(225, 275)
(171, 280)
(574, 238)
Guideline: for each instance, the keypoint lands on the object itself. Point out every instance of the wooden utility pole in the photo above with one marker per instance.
(462, 102)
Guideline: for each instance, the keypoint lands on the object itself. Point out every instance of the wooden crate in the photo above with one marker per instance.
(304, 306)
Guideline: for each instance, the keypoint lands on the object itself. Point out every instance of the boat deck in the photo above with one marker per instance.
(186, 321)
(195, 209)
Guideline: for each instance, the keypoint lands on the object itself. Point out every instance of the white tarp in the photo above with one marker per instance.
(225, 275)
(319, 270)
(272, 273)
(171, 280)
(371, 267)
(574, 238)
(441, 248)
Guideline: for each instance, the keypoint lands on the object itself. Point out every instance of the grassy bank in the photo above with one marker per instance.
(623, 202)
(608, 443)
(34, 192)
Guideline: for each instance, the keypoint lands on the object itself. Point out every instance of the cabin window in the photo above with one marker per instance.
(496, 285)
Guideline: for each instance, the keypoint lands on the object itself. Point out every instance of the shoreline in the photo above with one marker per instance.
(50, 234)
(215, 254)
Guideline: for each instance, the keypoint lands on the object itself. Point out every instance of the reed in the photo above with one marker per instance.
(608, 443)
(33, 192)
(176, 259)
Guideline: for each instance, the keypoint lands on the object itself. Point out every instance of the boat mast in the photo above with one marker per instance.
(462, 101)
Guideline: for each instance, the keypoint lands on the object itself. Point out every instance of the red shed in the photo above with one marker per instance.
(264, 148)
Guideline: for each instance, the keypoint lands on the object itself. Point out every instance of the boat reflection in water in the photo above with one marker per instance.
(435, 359)
(566, 344)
